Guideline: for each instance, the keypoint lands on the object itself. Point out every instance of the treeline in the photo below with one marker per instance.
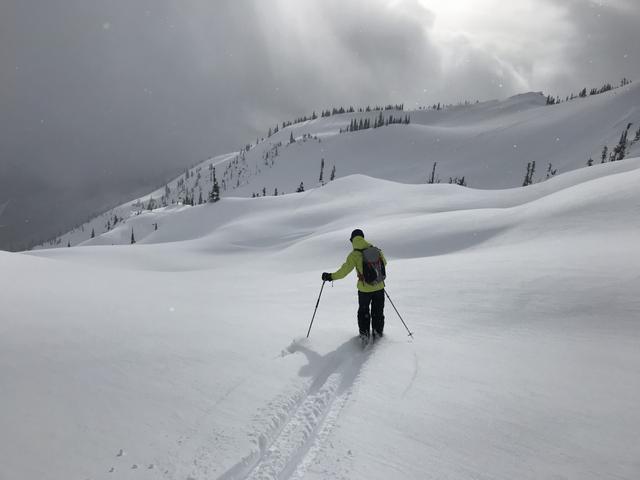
(379, 121)
(332, 111)
(619, 151)
(434, 178)
(551, 100)
(300, 188)
(368, 108)
(443, 106)
(531, 170)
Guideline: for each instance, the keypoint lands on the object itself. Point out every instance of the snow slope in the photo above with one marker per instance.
(490, 144)
(182, 357)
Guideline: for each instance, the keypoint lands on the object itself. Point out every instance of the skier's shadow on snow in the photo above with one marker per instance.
(346, 360)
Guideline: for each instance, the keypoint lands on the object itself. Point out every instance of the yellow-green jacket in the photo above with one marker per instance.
(354, 260)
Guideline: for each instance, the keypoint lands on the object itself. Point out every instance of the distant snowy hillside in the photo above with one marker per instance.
(183, 356)
(488, 144)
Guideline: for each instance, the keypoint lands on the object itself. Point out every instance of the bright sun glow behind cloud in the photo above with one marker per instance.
(502, 30)
(486, 20)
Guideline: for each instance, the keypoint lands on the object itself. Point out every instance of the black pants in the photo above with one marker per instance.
(375, 318)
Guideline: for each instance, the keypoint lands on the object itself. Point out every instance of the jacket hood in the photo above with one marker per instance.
(359, 243)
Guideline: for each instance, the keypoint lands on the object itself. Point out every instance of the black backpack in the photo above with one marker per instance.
(373, 271)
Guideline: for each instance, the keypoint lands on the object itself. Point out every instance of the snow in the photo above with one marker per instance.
(490, 144)
(184, 357)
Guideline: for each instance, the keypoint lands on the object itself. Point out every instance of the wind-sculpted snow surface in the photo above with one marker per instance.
(173, 358)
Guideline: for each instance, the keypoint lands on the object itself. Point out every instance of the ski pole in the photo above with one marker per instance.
(394, 307)
(314, 312)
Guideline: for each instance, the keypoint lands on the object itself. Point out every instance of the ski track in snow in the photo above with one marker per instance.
(305, 419)
(416, 370)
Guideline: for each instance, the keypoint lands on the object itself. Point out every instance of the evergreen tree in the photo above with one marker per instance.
(551, 171)
(275, 192)
(458, 181)
(526, 175)
(291, 139)
(528, 178)
(432, 177)
(333, 173)
(264, 191)
(93, 233)
(214, 195)
(200, 198)
(590, 162)
(620, 150)
(603, 157)
(321, 169)
(133, 238)
(69, 243)
(300, 188)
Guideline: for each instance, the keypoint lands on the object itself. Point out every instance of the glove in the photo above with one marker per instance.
(326, 277)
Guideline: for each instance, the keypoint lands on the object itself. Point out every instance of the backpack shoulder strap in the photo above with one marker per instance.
(358, 272)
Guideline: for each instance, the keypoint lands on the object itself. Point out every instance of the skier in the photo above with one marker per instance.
(369, 263)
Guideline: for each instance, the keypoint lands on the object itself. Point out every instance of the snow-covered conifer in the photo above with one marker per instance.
(432, 177)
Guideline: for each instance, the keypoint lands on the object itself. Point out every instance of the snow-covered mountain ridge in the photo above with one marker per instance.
(488, 144)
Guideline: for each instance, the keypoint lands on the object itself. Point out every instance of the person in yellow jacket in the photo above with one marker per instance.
(370, 292)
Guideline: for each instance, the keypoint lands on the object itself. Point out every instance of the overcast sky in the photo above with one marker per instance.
(100, 100)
